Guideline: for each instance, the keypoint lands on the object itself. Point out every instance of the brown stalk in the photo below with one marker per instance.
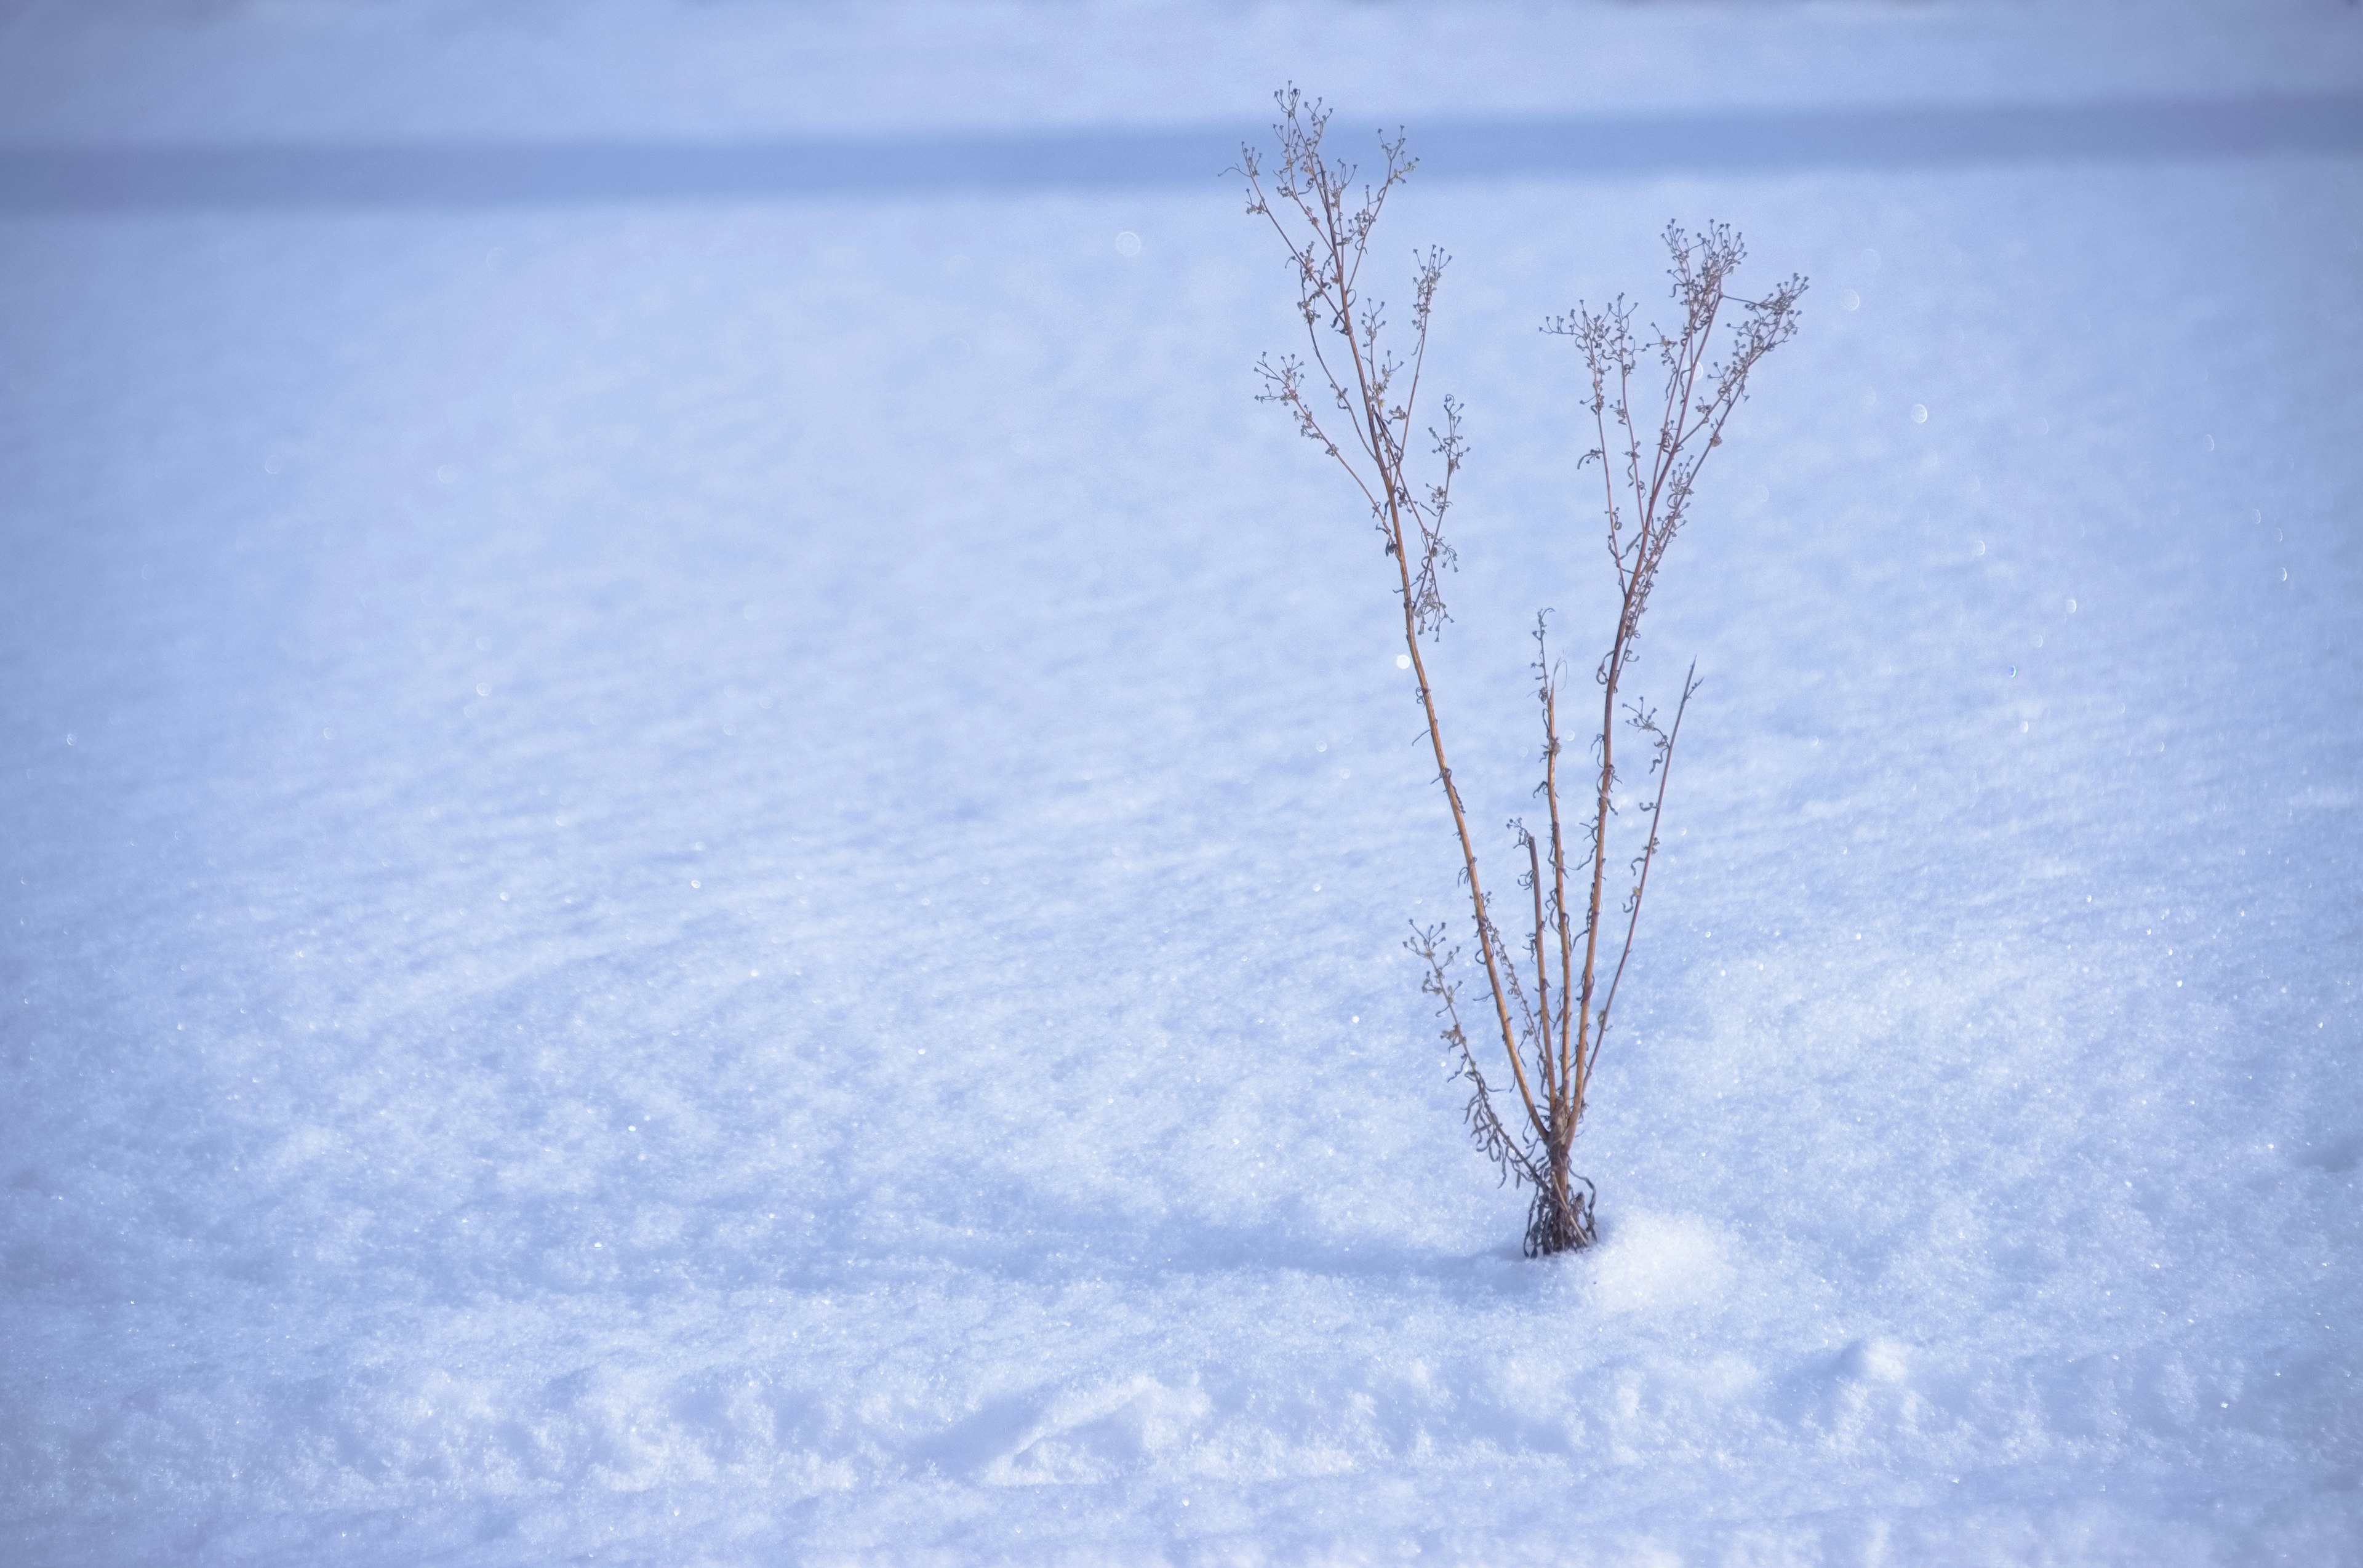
(1328, 262)
(1665, 769)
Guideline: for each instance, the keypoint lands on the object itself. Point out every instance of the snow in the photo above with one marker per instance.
(406, 69)
(721, 881)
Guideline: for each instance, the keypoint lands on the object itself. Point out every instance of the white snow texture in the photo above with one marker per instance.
(720, 881)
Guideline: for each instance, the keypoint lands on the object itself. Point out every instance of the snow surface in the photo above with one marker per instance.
(721, 883)
(171, 69)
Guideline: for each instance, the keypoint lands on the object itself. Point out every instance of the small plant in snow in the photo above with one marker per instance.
(1552, 996)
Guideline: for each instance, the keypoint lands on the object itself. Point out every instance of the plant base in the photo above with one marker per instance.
(1560, 1223)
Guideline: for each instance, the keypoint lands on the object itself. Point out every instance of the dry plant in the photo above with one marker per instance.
(1369, 423)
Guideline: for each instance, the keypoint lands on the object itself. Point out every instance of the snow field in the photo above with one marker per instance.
(727, 881)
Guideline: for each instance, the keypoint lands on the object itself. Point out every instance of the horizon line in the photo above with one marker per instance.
(60, 177)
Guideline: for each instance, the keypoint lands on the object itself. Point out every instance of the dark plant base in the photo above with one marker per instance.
(1553, 1225)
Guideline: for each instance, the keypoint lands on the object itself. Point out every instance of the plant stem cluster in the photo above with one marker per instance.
(1355, 397)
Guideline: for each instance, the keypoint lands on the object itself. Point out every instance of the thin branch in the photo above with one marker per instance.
(1665, 769)
(1327, 259)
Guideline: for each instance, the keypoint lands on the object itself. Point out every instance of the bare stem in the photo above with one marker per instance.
(1665, 769)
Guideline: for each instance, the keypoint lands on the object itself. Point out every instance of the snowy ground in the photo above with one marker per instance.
(720, 883)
